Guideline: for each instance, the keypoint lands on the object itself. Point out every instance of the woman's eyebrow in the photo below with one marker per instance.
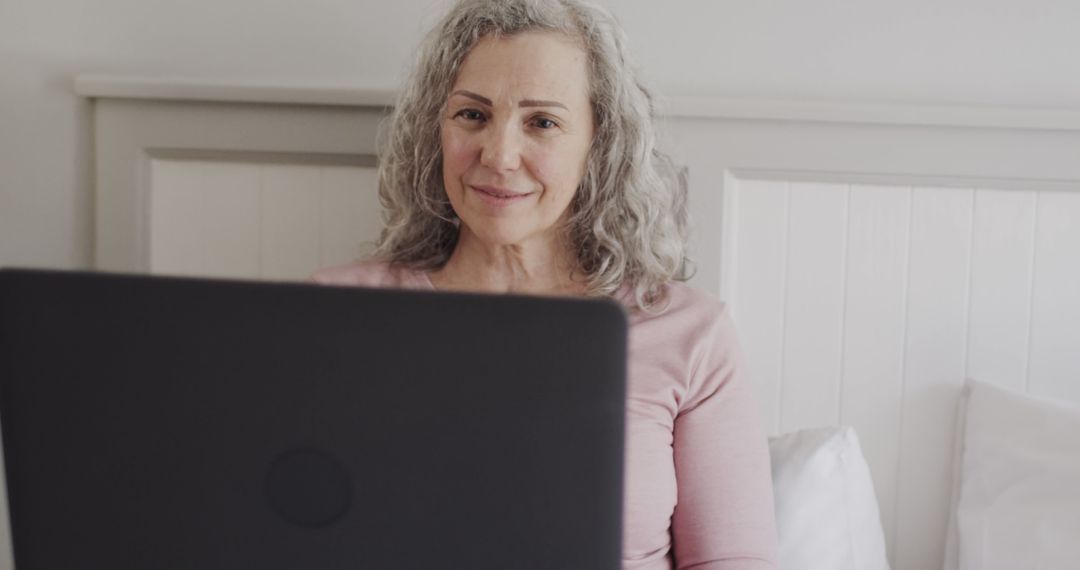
(523, 103)
(539, 103)
(473, 96)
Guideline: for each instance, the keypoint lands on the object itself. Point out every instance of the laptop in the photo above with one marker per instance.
(183, 423)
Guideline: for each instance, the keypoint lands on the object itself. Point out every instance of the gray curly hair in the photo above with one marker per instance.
(628, 218)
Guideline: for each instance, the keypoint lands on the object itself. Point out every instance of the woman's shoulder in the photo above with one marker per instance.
(691, 318)
(687, 297)
(694, 336)
(686, 306)
(372, 272)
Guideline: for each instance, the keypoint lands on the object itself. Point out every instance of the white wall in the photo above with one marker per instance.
(997, 52)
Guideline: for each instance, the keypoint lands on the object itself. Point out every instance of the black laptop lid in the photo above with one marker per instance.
(184, 423)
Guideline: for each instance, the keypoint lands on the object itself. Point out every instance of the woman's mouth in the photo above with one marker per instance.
(499, 196)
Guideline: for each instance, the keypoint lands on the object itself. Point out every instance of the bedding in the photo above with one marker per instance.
(826, 511)
(1016, 495)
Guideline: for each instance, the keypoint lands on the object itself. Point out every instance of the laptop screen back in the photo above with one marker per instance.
(184, 423)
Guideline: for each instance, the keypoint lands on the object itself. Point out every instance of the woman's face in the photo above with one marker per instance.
(515, 135)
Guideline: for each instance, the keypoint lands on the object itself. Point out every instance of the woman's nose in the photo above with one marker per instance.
(502, 148)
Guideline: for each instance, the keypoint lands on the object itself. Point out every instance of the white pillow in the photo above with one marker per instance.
(826, 511)
(1017, 495)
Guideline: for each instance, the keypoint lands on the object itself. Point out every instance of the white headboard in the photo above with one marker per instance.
(873, 261)
(874, 256)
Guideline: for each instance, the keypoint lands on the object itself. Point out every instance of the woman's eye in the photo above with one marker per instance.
(470, 115)
(545, 123)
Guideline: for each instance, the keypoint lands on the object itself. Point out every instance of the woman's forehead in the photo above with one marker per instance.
(531, 66)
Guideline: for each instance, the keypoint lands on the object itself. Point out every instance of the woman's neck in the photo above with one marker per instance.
(540, 268)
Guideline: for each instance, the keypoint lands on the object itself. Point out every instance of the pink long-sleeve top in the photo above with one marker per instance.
(698, 483)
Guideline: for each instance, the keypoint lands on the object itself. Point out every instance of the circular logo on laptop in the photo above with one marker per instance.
(308, 487)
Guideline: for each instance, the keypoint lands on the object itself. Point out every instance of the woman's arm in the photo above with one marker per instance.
(724, 518)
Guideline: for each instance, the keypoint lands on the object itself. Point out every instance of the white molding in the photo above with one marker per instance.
(735, 175)
(1065, 119)
(188, 89)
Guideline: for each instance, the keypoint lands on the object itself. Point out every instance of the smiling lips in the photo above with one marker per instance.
(499, 196)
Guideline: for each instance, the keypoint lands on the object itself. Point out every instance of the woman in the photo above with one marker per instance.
(520, 159)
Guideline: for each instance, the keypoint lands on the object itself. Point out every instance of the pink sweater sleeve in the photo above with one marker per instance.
(724, 518)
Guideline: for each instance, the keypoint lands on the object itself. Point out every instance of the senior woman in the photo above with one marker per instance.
(520, 158)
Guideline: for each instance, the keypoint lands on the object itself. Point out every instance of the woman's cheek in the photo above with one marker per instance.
(545, 169)
(449, 149)
(455, 148)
